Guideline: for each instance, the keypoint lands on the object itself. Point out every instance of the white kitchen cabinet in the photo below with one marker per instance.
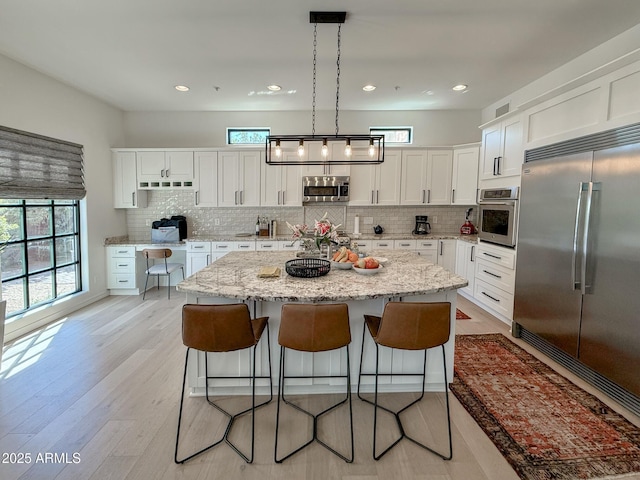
(466, 264)
(206, 179)
(502, 149)
(313, 151)
(447, 254)
(165, 169)
(464, 180)
(376, 184)
(428, 249)
(426, 177)
(281, 185)
(495, 279)
(239, 178)
(198, 256)
(125, 184)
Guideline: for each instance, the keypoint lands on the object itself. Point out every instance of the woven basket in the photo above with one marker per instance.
(307, 267)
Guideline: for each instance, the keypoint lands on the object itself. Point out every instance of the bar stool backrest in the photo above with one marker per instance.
(217, 328)
(314, 327)
(414, 326)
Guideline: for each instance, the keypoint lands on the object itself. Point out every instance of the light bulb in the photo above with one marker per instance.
(325, 148)
(278, 149)
(347, 148)
(301, 148)
(372, 149)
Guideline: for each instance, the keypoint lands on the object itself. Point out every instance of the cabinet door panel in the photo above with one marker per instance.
(439, 169)
(413, 185)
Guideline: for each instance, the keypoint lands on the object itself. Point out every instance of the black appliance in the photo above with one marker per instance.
(178, 221)
(423, 226)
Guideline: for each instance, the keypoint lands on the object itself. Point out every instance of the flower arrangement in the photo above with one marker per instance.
(322, 234)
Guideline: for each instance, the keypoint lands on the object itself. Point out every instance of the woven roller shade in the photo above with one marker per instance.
(34, 166)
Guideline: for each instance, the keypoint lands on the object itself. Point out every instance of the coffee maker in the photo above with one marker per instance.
(422, 225)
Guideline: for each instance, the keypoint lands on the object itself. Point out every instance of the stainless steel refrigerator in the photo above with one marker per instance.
(578, 253)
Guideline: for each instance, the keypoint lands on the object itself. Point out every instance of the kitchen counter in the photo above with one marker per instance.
(235, 276)
(405, 277)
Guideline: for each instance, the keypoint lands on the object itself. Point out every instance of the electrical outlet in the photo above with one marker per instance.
(147, 222)
(434, 219)
(216, 221)
(368, 220)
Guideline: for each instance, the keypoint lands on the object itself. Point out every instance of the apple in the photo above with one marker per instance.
(370, 262)
(360, 263)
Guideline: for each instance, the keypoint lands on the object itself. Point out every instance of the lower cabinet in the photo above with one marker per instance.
(447, 254)
(495, 279)
(428, 249)
(466, 264)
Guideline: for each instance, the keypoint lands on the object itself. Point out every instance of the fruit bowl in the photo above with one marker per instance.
(341, 265)
(367, 271)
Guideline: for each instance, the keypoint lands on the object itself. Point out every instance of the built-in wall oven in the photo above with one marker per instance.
(325, 189)
(498, 215)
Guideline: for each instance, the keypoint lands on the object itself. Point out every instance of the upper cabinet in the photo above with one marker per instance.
(502, 150)
(281, 185)
(464, 183)
(376, 184)
(239, 178)
(426, 177)
(125, 184)
(165, 169)
(313, 152)
(206, 179)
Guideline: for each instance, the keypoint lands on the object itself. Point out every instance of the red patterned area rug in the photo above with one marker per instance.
(460, 315)
(544, 425)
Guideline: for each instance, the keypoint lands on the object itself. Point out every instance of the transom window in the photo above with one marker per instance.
(247, 136)
(40, 256)
(394, 134)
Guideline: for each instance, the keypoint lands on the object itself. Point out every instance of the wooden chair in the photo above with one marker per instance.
(223, 328)
(160, 269)
(408, 326)
(313, 328)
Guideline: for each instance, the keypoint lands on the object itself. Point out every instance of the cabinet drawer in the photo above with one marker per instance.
(267, 245)
(496, 275)
(383, 244)
(287, 245)
(222, 246)
(123, 265)
(493, 297)
(245, 246)
(426, 244)
(122, 252)
(405, 244)
(497, 255)
(122, 281)
(199, 247)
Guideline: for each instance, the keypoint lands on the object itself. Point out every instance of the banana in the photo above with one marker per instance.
(342, 254)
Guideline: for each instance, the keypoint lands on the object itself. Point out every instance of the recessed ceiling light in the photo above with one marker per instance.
(428, 92)
(460, 88)
(181, 88)
(369, 88)
(274, 88)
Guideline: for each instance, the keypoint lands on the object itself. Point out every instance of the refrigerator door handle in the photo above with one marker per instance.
(586, 289)
(575, 284)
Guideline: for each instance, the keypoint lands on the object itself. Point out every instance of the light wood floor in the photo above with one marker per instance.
(104, 384)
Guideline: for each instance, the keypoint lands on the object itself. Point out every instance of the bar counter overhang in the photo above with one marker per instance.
(405, 277)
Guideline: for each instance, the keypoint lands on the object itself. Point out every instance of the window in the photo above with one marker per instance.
(247, 136)
(394, 134)
(40, 256)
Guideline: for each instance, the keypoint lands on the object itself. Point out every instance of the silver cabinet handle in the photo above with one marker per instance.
(372, 202)
(473, 253)
(423, 195)
(593, 187)
(133, 199)
(123, 264)
(166, 173)
(495, 168)
(283, 192)
(197, 246)
(197, 199)
(453, 195)
(429, 196)
(441, 248)
(499, 166)
(377, 196)
(492, 256)
(223, 246)
(241, 197)
(162, 173)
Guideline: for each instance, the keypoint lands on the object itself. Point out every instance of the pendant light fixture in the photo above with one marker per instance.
(325, 149)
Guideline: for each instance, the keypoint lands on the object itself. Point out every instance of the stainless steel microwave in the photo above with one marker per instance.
(498, 215)
(325, 189)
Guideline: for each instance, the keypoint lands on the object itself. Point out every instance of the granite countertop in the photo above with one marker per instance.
(236, 276)
(231, 237)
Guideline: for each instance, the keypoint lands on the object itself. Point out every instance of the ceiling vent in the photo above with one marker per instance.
(504, 109)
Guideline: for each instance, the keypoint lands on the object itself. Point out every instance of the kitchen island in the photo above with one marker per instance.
(405, 276)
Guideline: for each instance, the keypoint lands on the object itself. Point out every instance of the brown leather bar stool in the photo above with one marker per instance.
(408, 326)
(223, 328)
(313, 328)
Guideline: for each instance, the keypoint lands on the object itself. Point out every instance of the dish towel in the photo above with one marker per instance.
(269, 272)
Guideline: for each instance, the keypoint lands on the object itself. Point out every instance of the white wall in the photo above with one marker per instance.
(36, 103)
(207, 129)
